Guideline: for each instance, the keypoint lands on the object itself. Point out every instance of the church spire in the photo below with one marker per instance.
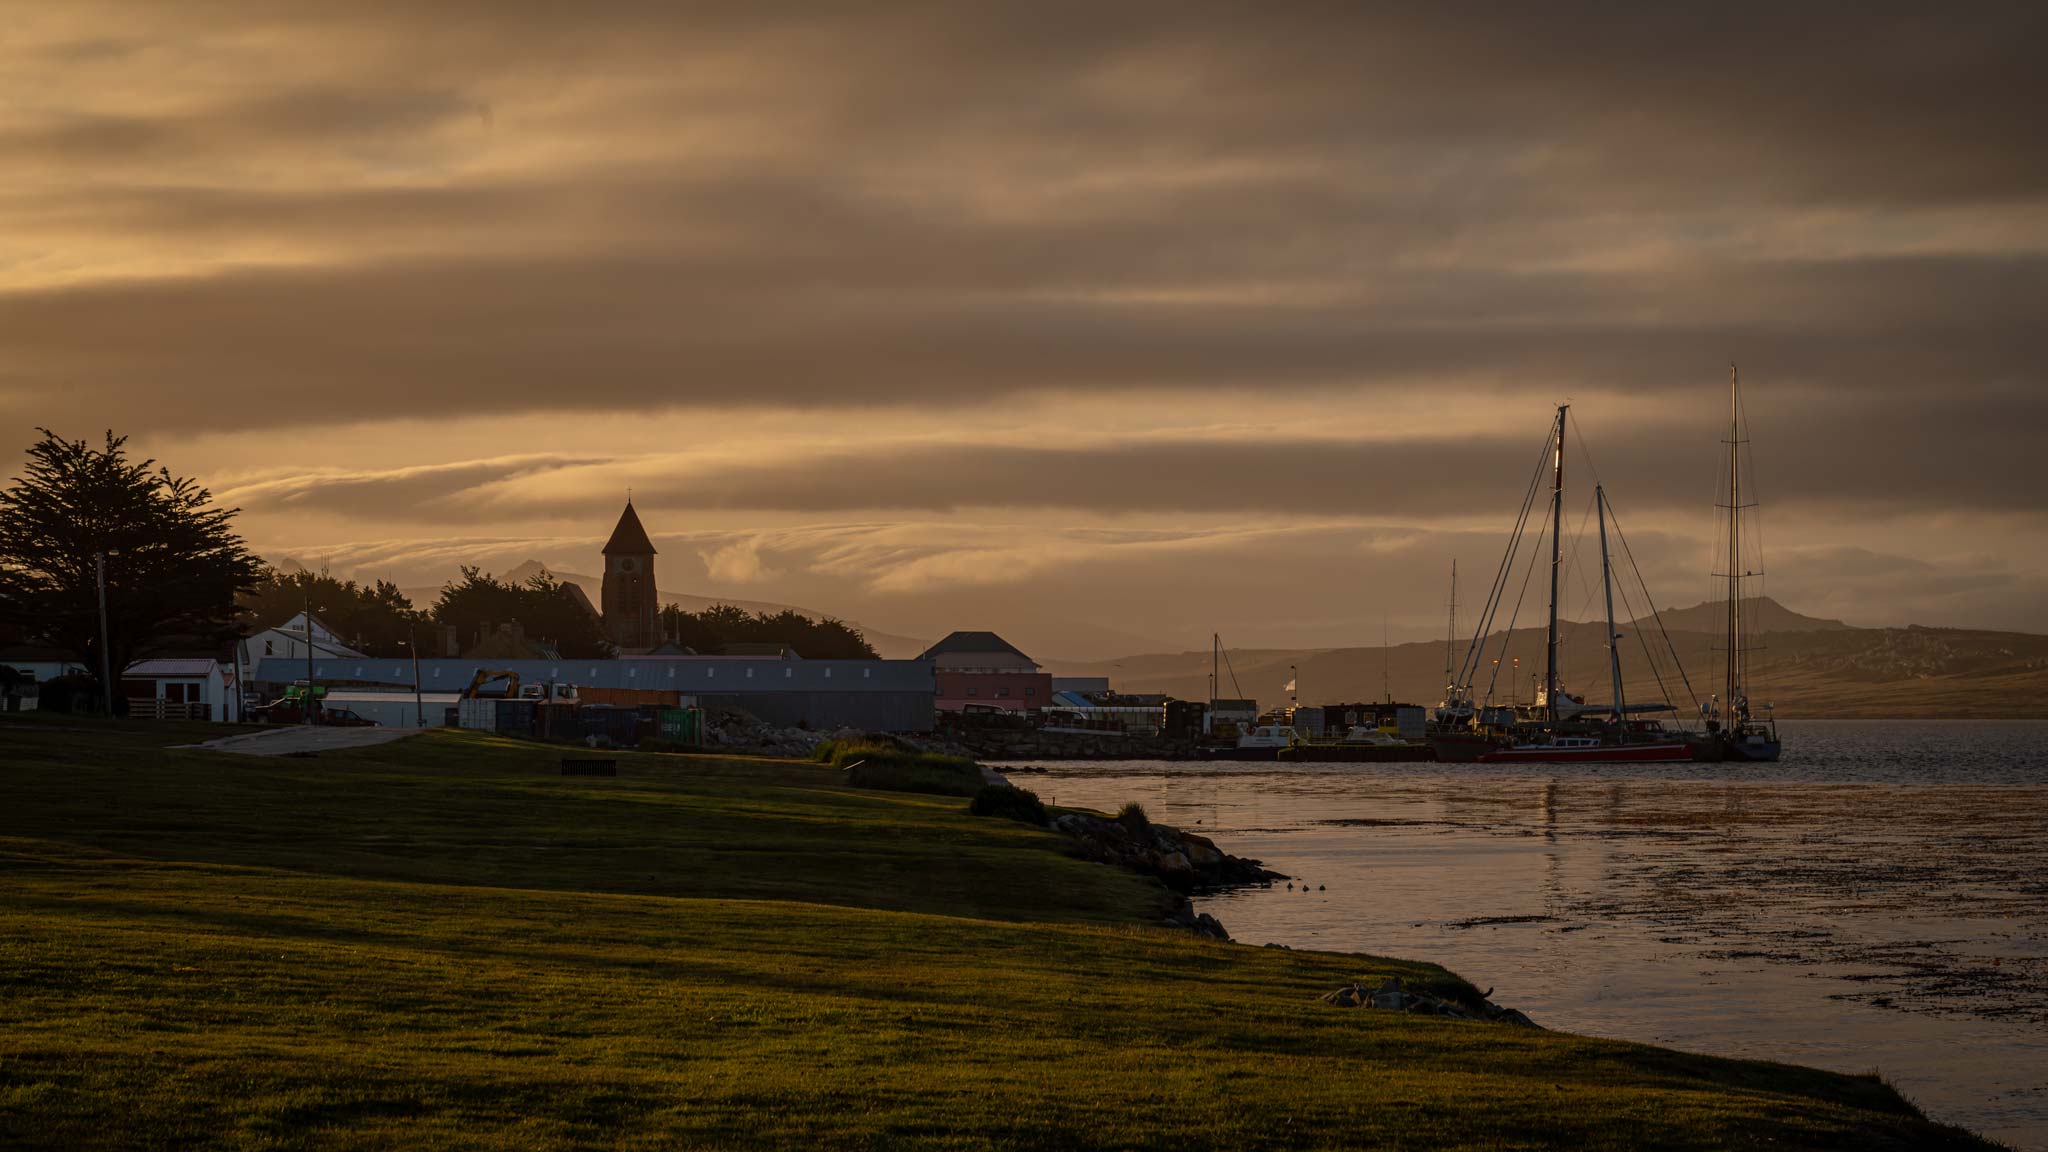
(629, 538)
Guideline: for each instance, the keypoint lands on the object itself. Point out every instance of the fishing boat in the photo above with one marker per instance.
(1732, 731)
(1261, 743)
(1588, 750)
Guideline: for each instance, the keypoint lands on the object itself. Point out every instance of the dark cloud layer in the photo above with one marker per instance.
(1339, 196)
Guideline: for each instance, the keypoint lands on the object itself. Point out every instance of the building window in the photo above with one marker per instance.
(788, 673)
(1002, 693)
(267, 649)
(1031, 691)
(974, 691)
(828, 673)
(864, 673)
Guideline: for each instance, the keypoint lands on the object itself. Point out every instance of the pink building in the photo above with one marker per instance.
(981, 668)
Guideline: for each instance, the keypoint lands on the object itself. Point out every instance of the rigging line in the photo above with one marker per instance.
(1233, 674)
(1655, 613)
(1523, 595)
(1757, 533)
(1649, 658)
(1476, 650)
(1578, 574)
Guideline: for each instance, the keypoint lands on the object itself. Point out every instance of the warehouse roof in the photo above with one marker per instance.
(971, 642)
(696, 675)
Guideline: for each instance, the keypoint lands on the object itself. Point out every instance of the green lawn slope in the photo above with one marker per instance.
(442, 943)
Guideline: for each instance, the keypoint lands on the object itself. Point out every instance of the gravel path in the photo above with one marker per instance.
(286, 739)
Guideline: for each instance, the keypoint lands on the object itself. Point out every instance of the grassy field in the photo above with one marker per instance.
(441, 943)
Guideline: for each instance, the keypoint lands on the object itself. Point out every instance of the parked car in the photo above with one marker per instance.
(287, 712)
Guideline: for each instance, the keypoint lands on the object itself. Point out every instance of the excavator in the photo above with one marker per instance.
(485, 677)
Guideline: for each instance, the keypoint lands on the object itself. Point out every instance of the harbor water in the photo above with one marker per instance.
(1876, 901)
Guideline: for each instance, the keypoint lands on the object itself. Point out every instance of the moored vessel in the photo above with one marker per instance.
(1733, 732)
(1558, 727)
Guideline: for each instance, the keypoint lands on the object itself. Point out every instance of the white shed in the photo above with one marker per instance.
(181, 689)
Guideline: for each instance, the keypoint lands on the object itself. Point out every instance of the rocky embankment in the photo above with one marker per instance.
(1183, 861)
(1393, 997)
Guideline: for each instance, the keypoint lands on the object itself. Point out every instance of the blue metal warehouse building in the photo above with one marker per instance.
(873, 695)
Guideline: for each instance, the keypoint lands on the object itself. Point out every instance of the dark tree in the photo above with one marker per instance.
(174, 564)
(541, 606)
(723, 624)
(375, 619)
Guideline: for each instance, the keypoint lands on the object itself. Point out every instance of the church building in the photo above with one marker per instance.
(632, 608)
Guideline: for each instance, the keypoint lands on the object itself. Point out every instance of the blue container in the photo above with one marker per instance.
(515, 717)
(617, 726)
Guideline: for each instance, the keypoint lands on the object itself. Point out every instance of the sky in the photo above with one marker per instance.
(1105, 326)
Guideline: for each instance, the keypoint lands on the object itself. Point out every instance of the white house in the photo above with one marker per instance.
(181, 689)
(287, 641)
(40, 664)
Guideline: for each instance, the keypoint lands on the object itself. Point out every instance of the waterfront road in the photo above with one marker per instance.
(286, 739)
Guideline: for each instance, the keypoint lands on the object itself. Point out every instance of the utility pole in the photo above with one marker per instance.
(306, 697)
(419, 714)
(99, 564)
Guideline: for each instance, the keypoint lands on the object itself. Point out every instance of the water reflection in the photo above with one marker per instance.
(1881, 900)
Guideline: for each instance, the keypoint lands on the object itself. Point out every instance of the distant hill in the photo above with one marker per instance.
(1765, 615)
(1807, 667)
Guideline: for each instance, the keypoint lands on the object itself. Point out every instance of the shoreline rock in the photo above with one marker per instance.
(1391, 996)
(1184, 861)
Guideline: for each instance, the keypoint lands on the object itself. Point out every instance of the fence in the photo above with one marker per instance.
(157, 708)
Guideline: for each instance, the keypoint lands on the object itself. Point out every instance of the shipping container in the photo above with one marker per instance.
(478, 714)
(515, 717)
(616, 726)
(557, 722)
(681, 725)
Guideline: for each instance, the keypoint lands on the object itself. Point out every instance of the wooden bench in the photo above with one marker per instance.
(575, 767)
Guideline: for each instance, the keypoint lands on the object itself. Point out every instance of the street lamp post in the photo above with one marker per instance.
(99, 564)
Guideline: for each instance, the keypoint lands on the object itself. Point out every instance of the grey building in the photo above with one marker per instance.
(875, 695)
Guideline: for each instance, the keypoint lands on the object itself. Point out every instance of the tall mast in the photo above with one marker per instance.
(1733, 685)
(1556, 563)
(1607, 585)
(1451, 634)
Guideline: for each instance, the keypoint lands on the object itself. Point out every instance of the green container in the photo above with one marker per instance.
(682, 725)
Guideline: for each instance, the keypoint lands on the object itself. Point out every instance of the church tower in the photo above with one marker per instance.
(632, 612)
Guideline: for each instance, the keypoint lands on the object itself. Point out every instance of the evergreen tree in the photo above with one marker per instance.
(374, 619)
(722, 624)
(174, 564)
(541, 606)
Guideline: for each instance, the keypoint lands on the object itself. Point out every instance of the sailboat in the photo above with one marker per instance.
(1618, 738)
(1733, 732)
(1558, 727)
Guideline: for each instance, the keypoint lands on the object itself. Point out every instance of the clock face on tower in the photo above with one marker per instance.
(626, 565)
